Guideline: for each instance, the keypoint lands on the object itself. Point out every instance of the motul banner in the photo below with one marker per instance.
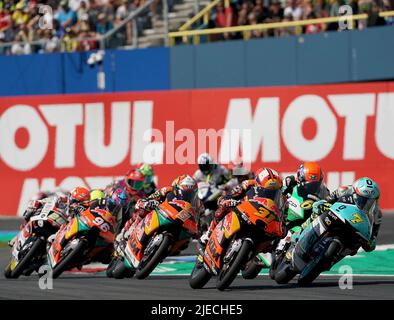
(60, 141)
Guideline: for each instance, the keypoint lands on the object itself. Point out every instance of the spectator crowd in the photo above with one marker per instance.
(251, 12)
(29, 26)
(67, 25)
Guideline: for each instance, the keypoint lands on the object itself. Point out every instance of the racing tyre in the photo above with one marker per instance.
(38, 244)
(331, 251)
(283, 273)
(69, 258)
(7, 272)
(149, 263)
(199, 277)
(227, 276)
(252, 269)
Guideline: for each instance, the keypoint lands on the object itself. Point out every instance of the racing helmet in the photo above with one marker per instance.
(270, 185)
(310, 177)
(206, 163)
(147, 171)
(366, 193)
(238, 170)
(185, 188)
(79, 195)
(135, 180)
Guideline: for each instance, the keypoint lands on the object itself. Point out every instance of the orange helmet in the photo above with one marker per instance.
(310, 177)
(135, 180)
(79, 195)
(309, 172)
(268, 179)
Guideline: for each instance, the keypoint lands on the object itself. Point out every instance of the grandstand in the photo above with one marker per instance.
(82, 25)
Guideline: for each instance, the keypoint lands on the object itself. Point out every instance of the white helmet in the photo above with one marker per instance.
(206, 163)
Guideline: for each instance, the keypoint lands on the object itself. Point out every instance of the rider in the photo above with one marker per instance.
(77, 195)
(365, 194)
(265, 178)
(209, 171)
(310, 178)
(66, 203)
(124, 195)
(310, 184)
(183, 188)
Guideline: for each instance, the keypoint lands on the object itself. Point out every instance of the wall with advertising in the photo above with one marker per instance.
(60, 141)
(333, 57)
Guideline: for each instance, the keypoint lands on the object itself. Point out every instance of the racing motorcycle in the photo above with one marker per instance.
(245, 231)
(87, 237)
(336, 233)
(164, 231)
(209, 194)
(298, 208)
(29, 249)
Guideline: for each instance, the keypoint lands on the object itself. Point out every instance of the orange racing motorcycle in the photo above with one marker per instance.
(164, 231)
(248, 229)
(88, 236)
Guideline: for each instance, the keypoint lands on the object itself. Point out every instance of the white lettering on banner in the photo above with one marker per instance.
(65, 117)
(300, 109)
(264, 126)
(142, 135)
(355, 108)
(26, 158)
(116, 151)
(245, 133)
(384, 132)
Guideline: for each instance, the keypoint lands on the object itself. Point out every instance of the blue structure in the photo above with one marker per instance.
(332, 57)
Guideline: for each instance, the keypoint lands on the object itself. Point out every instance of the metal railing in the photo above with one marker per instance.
(246, 30)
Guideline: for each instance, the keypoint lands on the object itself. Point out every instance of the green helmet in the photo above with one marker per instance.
(147, 172)
(97, 194)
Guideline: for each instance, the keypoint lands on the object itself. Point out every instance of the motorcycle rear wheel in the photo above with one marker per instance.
(226, 277)
(152, 261)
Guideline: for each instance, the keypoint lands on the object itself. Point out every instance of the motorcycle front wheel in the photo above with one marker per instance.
(331, 251)
(38, 244)
(149, 263)
(226, 276)
(199, 276)
(69, 258)
(252, 269)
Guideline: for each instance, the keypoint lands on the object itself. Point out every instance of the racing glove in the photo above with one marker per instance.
(146, 205)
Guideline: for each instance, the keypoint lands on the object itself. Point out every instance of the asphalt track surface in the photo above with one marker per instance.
(97, 286)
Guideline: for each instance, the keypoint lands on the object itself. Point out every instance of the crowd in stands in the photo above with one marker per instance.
(74, 25)
(250, 12)
(67, 25)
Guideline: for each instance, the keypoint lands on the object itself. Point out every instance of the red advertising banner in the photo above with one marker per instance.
(61, 141)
